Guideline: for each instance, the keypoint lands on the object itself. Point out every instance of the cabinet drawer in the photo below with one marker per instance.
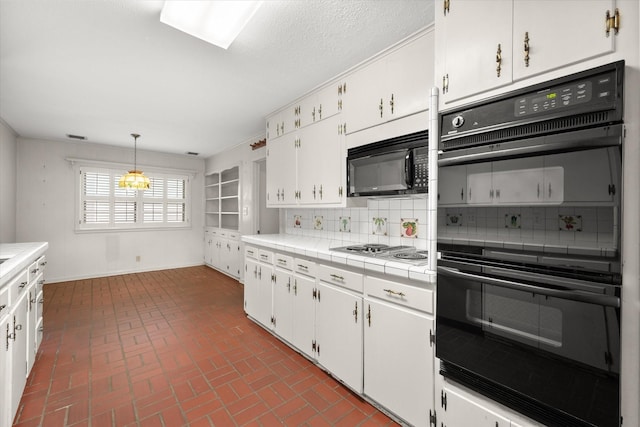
(17, 286)
(42, 263)
(284, 261)
(265, 256)
(4, 302)
(306, 267)
(233, 235)
(251, 252)
(32, 271)
(399, 293)
(336, 276)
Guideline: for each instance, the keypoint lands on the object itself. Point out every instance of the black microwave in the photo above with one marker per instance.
(390, 167)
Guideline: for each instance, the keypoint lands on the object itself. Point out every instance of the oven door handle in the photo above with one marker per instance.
(574, 295)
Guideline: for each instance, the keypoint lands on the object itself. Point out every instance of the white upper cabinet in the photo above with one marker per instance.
(321, 164)
(395, 85)
(486, 44)
(281, 171)
(476, 47)
(558, 34)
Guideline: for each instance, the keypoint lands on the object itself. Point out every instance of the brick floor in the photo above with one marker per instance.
(173, 348)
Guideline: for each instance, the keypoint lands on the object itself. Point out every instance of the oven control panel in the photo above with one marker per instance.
(420, 165)
(592, 91)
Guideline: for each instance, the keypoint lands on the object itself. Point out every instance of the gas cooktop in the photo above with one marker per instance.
(393, 253)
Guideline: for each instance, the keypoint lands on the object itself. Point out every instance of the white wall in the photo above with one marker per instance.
(8, 147)
(46, 201)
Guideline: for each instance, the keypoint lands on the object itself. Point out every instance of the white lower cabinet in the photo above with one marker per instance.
(282, 317)
(372, 334)
(222, 251)
(304, 307)
(258, 292)
(339, 334)
(459, 407)
(398, 348)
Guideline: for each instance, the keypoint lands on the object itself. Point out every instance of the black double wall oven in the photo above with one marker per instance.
(529, 282)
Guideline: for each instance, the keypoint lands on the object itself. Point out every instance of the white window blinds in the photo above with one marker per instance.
(104, 205)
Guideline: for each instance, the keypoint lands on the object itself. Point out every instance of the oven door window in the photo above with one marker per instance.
(573, 331)
(517, 317)
(378, 173)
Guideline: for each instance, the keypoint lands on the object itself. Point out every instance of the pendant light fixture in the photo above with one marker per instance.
(134, 179)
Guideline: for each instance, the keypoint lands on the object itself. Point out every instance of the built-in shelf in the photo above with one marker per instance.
(222, 199)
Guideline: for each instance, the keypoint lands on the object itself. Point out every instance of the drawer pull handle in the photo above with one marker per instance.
(392, 292)
(22, 285)
(282, 261)
(3, 306)
(336, 277)
(304, 267)
(34, 271)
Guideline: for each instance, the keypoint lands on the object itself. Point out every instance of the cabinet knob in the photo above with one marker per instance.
(498, 60)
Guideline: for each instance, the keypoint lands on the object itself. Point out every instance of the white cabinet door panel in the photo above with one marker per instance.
(472, 32)
(304, 314)
(559, 35)
(339, 334)
(398, 360)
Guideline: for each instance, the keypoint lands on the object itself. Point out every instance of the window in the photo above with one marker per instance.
(105, 206)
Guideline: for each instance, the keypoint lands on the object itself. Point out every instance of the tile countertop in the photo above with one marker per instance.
(17, 257)
(312, 247)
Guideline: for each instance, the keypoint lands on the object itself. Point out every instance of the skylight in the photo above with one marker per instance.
(216, 22)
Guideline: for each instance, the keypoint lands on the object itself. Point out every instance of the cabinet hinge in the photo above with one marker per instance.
(443, 399)
(612, 189)
(446, 4)
(433, 420)
(314, 293)
(445, 83)
(612, 22)
(432, 338)
(313, 345)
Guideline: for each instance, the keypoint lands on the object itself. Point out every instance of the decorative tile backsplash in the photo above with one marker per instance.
(590, 227)
(384, 220)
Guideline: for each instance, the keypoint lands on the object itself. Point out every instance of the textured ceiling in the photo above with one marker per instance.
(107, 68)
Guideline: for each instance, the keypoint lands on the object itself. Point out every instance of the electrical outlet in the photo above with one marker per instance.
(137, 258)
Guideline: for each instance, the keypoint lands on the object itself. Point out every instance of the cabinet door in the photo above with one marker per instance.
(461, 411)
(588, 175)
(559, 34)
(479, 184)
(410, 77)
(18, 350)
(304, 313)
(366, 92)
(5, 373)
(471, 33)
(518, 181)
(327, 102)
(265, 294)
(339, 334)
(398, 360)
(207, 248)
(281, 171)
(283, 304)
(31, 326)
(452, 185)
(321, 163)
(251, 284)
